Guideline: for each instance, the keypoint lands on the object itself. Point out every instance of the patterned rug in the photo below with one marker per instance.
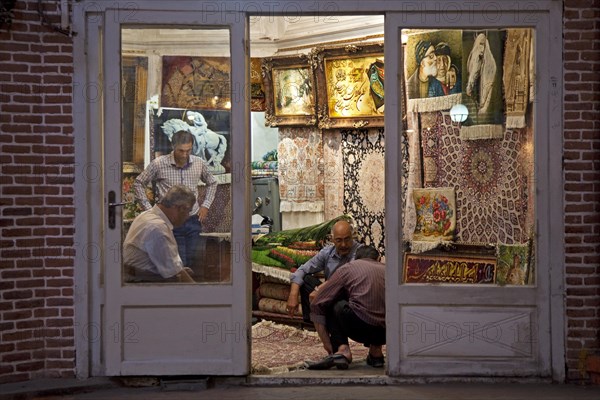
(492, 179)
(278, 348)
(300, 154)
(363, 154)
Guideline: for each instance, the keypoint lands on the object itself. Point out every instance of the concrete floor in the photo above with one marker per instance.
(330, 386)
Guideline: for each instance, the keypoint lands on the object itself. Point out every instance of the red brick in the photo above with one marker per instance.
(12, 357)
(17, 294)
(46, 312)
(30, 366)
(19, 273)
(15, 315)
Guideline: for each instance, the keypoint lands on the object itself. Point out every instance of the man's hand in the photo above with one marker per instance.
(202, 214)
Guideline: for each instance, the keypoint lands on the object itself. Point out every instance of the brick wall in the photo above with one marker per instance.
(36, 200)
(582, 179)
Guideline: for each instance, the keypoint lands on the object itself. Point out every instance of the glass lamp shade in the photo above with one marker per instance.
(459, 113)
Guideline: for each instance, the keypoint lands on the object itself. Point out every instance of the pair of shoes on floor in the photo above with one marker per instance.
(375, 362)
(338, 360)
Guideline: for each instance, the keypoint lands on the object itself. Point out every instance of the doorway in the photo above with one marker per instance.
(300, 162)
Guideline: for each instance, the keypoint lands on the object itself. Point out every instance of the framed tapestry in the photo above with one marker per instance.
(436, 214)
(197, 83)
(433, 70)
(350, 84)
(426, 268)
(482, 84)
(257, 86)
(290, 87)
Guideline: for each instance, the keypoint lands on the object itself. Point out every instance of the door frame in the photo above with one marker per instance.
(88, 17)
(102, 42)
(547, 294)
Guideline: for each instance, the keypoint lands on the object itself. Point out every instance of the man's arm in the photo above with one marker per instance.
(327, 296)
(209, 195)
(162, 250)
(324, 336)
(314, 293)
(139, 186)
(293, 303)
(314, 265)
(211, 188)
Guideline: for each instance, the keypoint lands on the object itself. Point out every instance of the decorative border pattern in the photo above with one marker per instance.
(445, 269)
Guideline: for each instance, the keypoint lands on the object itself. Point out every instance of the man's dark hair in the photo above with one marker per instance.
(367, 252)
(182, 137)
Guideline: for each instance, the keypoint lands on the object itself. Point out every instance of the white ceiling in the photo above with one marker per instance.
(269, 35)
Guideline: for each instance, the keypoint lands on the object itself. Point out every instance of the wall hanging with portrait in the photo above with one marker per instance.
(433, 70)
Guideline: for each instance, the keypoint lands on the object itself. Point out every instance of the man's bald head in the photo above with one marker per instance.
(343, 237)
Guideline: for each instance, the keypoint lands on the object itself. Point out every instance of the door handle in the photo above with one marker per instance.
(111, 208)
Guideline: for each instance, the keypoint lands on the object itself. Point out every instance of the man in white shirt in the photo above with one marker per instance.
(150, 252)
(180, 167)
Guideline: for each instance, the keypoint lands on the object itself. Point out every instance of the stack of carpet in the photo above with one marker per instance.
(271, 301)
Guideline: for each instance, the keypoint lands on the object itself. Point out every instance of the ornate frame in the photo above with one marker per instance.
(322, 60)
(273, 70)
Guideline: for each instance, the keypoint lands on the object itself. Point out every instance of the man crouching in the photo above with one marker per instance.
(352, 305)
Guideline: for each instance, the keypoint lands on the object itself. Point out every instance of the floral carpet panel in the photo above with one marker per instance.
(278, 348)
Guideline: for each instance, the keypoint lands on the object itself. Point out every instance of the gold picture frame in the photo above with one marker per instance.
(290, 87)
(350, 85)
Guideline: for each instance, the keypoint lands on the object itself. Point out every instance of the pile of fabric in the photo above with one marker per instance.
(268, 166)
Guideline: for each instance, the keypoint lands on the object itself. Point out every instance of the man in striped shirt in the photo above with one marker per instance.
(352, 305)
(180, 167)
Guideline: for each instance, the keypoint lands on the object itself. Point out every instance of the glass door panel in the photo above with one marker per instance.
(175, 130)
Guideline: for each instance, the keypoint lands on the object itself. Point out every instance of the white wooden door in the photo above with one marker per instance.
(449, 329)
(174, 328)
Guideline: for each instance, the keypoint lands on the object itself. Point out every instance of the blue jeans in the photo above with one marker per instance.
(188, 240)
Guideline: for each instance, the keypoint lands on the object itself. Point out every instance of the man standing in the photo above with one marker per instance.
(327, 260)
(423, 83)
(352, 305)
(150, 252)
(180, 168)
